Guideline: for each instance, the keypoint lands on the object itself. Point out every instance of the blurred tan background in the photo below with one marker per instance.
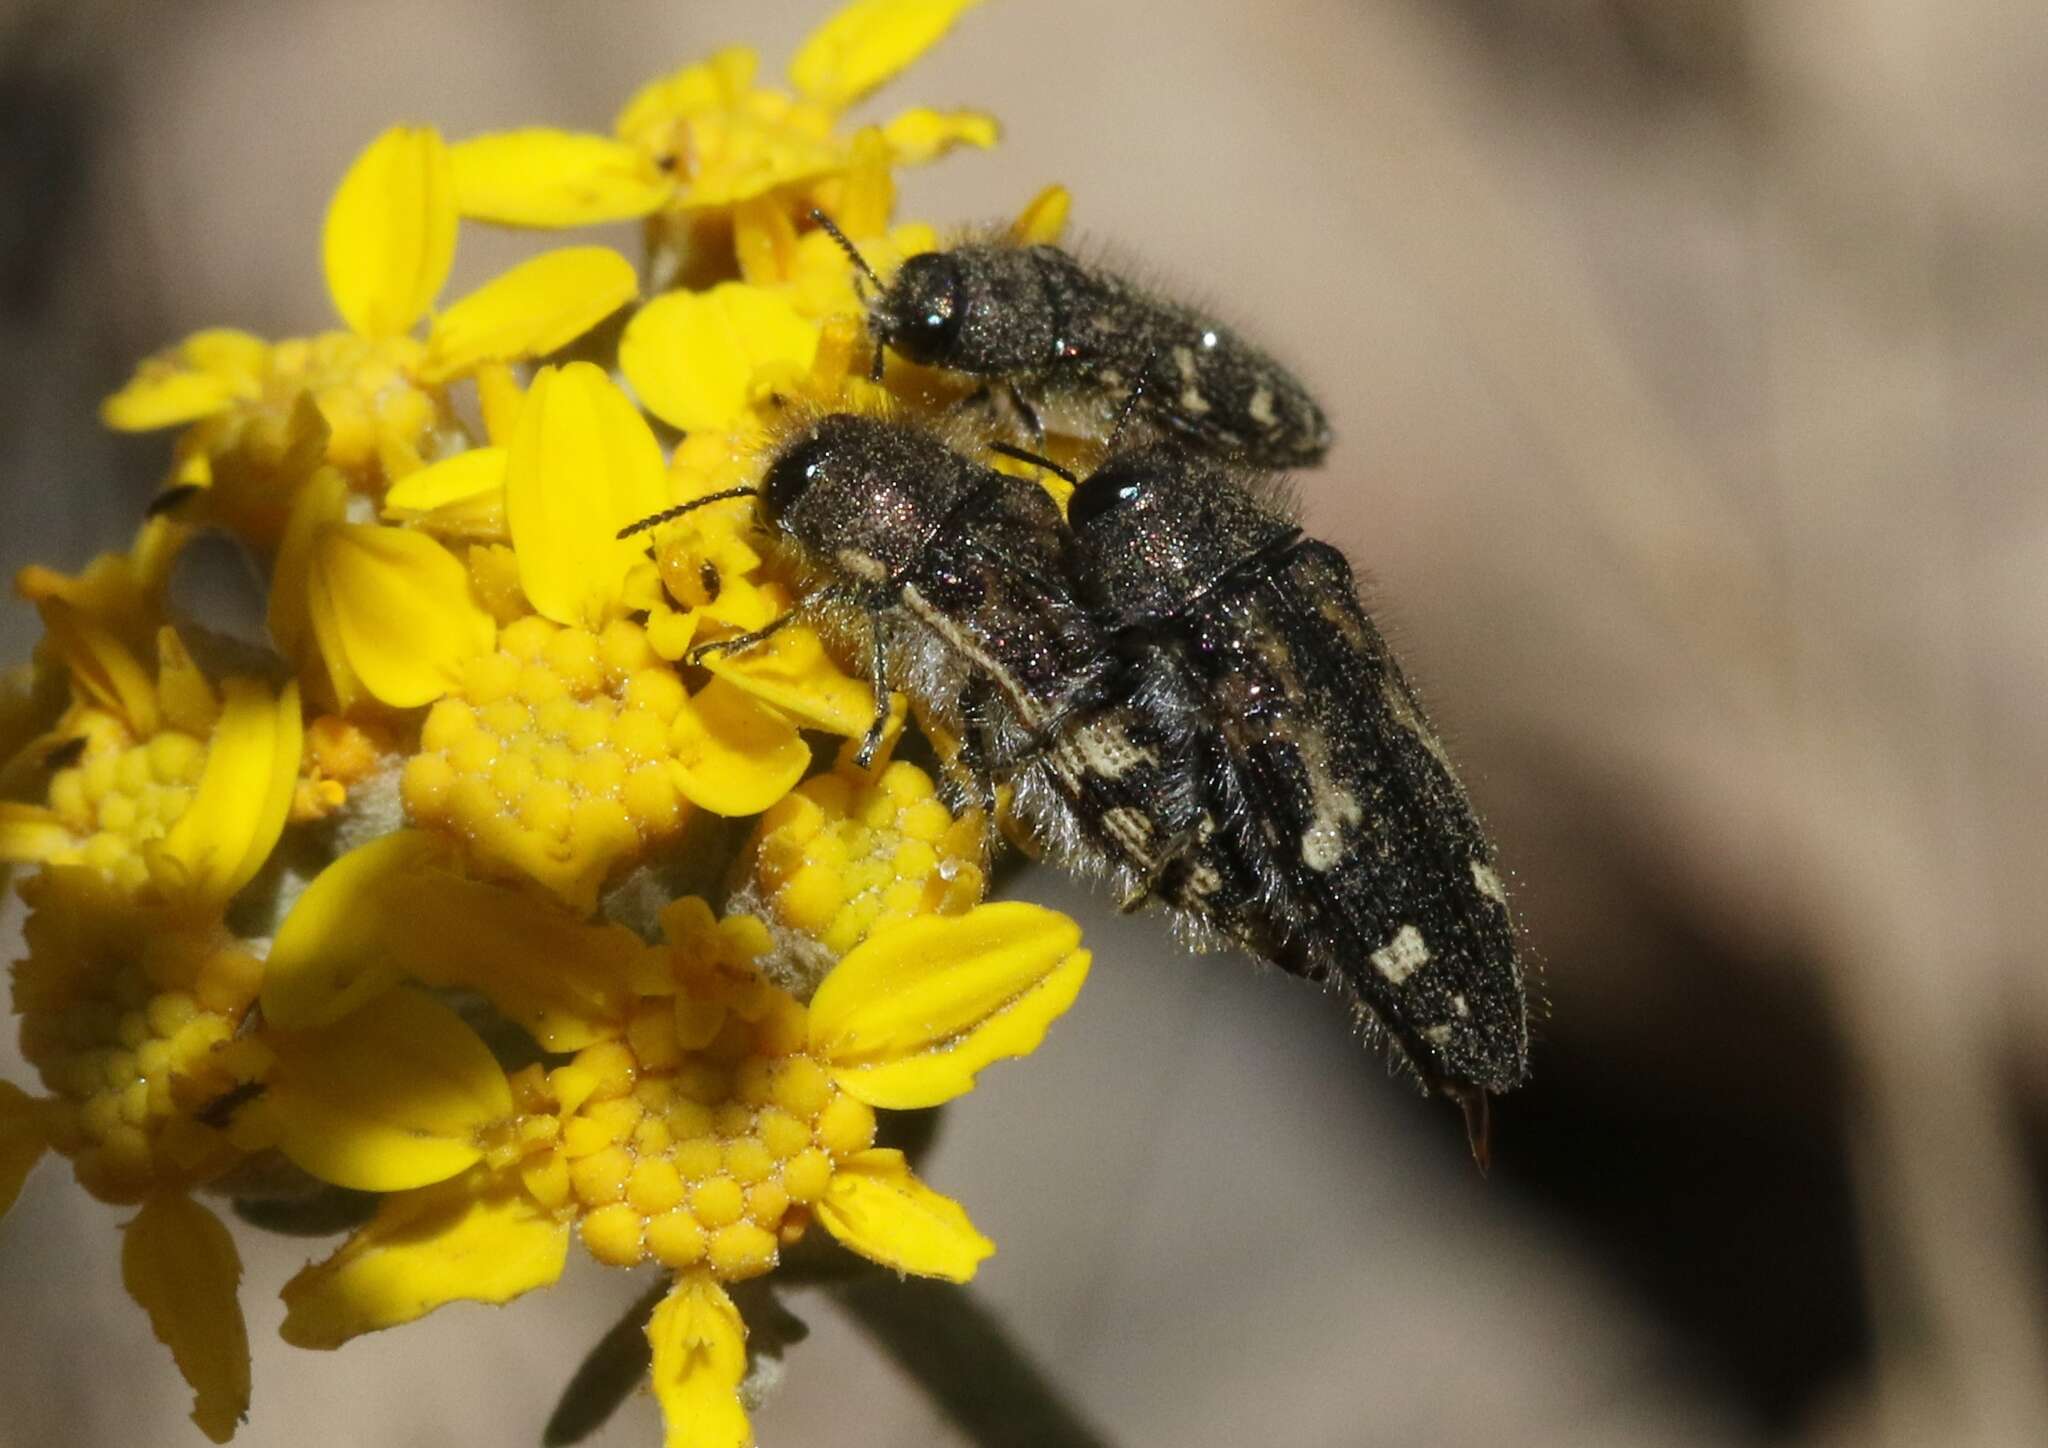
(1687, 360)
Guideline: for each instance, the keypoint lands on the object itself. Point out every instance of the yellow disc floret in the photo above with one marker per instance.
(552, 759)
(128, 1019)
(845, 853)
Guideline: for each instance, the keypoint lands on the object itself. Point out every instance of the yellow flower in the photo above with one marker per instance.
(130, 1017)
(708, 138)
(706, 1120)
(370, 402)
(169, 785)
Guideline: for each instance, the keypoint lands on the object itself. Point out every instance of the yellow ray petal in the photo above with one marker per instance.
(911, 1015)
(735, 756)
(403, 612)
(464, 493)
(920, 135)
(322, 502)
(542, 177)
(205, 373)
(1044, 218)
(477, 1238)
(866, 43)
(692, 356)
(700, 1355)
(390, 1097)
(189, 700)
(792, 671)
(542, 304)
(389, 239)
(179, 1262)
(876, 1206)
(22, 1140)
(583, 464)
(391, 909)
(30, 834)
(102, 670)
(239, 809)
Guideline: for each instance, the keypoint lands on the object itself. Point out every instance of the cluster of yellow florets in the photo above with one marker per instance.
(471, 757)
(553, 754)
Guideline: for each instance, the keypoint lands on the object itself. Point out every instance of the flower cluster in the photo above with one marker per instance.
(422, 894)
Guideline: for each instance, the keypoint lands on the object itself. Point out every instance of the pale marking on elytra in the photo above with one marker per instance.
(1184, 359)
(1405, 715)
(1489, 883)
(1132, 826)
(1437, 1036)
(1460, 1007)
(1402, 956)
(1334, 809)
(1261, 407)
(1191, 400)
(861, 565)
(1106, 750)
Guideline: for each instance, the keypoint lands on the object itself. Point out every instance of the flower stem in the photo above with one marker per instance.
(961, 1354)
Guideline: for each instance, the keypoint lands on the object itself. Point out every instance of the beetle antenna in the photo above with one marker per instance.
(669, 515)
(832, 230)
(1131, 402)
(1024, 455)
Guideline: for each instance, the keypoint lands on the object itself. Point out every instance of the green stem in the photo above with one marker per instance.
(960, 1354)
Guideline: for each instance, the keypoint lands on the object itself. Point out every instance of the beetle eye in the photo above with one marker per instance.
(1105, 491)
(794, 471)
(924, 309)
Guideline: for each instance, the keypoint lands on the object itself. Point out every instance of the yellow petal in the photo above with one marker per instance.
(179, 1262)
(321, 502)
(692, 356)
(22, 1140)
(542, 304)
(477, 1238)
(920, 135)
(583, 464)
(500, 396)
(909, 1016)
(700, 1355)
(102, 670)
(238, 812)
(463, 494)
(792, 671)
(876, 1206)
(717, 84)
(541, 177)
(1044, 218)
(30, 834)
(205, 373)
(733, 755)
(392, 909)
(392, 1096)
(402, 610)
(866, 43)
(189, 701)
(390, 234)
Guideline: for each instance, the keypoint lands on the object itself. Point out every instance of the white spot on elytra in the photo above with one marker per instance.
(1402, 956)
(1437, 1036)
(1460, 1007)
(1193, 401)
(1324, 842)
(1488, 883)
(1184, 359)
(1261, 407)
(1129, 825)
(1105, 750)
